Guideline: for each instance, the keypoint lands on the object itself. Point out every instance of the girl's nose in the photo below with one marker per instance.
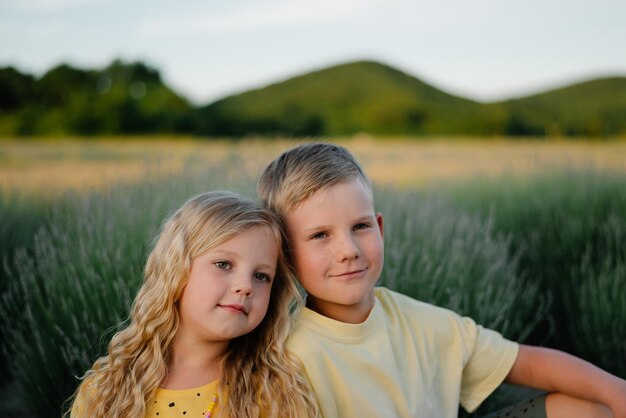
(242, 285)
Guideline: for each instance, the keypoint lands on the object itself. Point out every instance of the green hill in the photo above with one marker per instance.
(371, 97)
(365, 96)
(16, 89)
(120, 99)
(592, 108)
(361, 96)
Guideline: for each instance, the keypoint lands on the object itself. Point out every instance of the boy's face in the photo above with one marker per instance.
(337, 240)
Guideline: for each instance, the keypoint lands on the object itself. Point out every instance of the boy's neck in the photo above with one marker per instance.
(350, 314)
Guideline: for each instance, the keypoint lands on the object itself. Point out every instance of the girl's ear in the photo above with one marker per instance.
(380, 223)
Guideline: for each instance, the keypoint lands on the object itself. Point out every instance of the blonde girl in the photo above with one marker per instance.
(207, 328)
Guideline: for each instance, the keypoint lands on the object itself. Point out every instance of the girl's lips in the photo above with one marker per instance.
(235, 308)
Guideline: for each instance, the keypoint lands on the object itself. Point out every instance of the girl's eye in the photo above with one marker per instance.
(262, 277)
(222, 265)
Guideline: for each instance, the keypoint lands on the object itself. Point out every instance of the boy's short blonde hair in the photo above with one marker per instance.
(301, 171)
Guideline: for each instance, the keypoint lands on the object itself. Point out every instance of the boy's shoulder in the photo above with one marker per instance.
(390, 309)
(394, 317)
(394, 302)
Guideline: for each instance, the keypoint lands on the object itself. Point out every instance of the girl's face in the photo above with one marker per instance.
(229, 287)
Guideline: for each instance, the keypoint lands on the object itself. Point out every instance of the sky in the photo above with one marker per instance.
(486, 50)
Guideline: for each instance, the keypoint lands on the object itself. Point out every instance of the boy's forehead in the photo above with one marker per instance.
(334, 193)
(352, 198)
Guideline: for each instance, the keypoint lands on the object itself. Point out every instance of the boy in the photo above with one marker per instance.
(373, 352)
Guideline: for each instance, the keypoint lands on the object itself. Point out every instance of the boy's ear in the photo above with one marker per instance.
(379, 221)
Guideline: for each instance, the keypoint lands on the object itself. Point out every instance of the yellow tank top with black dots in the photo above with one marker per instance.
(194, 402)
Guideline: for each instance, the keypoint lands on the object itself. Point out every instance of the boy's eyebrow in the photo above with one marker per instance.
(364, 218)
(315, 228)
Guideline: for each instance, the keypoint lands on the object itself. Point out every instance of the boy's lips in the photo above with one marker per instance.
(350, 274)
(233, 307)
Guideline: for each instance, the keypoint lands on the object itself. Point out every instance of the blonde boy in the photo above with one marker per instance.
(371, 352)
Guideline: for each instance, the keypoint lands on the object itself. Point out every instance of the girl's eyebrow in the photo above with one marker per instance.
(231, 254)
(263, 266)
(217, 252)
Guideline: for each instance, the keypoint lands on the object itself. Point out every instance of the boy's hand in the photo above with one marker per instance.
(555, 371)
(563, 406)
(618, 405)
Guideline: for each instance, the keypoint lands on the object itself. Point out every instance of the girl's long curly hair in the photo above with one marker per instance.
(260, 376)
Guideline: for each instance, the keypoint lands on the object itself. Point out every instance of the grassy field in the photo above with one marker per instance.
(49, 168)
(521, 236)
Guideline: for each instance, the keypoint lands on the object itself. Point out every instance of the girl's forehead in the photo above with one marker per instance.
(261, 232)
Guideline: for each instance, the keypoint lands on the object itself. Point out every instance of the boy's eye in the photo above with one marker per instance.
(319, 235)
(361, 226)
(262, 277)
(223, 265)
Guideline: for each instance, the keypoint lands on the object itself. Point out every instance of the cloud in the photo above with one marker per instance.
(50, 5)
(27, 35)
(257, 16)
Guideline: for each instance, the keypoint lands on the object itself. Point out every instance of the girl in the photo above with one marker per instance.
(208, 325)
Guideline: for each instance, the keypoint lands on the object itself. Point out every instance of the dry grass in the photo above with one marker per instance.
(48, 168)
(411, 163)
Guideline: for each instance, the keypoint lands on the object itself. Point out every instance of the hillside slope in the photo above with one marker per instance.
(361, 96)
(122, 98)
(591, 108)
(364, 96)
(371, 97)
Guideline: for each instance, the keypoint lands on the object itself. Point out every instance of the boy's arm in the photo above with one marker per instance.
(555, 371)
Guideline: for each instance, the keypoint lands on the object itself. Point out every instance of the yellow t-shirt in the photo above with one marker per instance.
(194, 402)
(408, 359)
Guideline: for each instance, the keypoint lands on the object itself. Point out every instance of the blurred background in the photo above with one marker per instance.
(494, 133)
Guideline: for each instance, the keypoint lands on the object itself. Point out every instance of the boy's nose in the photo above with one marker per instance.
(347, 249)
